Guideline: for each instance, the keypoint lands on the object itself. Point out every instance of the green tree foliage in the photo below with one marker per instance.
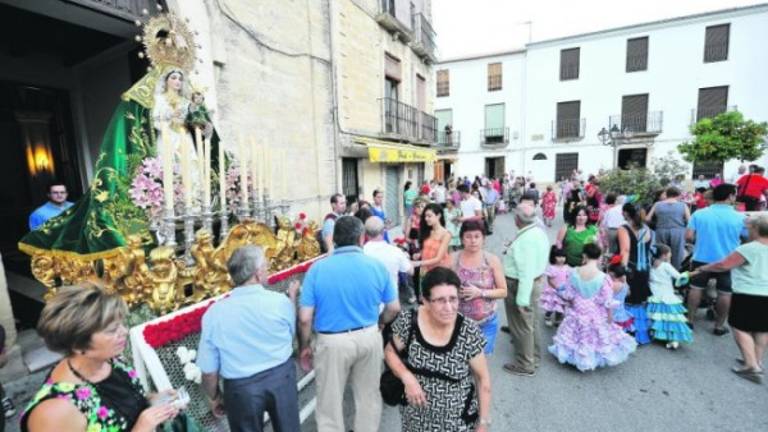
(724, 137)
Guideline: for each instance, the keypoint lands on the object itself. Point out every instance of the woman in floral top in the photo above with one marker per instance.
(92, 389)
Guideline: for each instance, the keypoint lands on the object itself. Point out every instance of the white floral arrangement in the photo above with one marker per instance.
(187, 358)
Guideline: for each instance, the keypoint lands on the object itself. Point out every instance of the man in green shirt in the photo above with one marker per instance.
(524, 263)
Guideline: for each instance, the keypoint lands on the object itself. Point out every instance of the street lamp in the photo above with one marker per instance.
(609, 138)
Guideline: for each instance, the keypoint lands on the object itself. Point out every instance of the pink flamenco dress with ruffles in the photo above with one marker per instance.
(549, 300)
(586, 339)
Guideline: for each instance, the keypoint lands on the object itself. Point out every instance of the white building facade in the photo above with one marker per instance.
(647, 83)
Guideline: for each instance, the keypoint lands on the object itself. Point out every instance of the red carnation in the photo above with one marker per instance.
(302, 216)
(297, 225)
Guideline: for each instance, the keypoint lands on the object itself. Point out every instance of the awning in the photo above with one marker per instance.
(388, 152)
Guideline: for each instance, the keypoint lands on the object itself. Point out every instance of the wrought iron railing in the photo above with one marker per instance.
(408, 122)
(637, 63)
(424, 36)
(644, 123)
(449, 140)
(571, 128)
(569, 71)
(494, 137)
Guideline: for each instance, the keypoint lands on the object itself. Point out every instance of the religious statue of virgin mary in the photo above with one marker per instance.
(97, 225)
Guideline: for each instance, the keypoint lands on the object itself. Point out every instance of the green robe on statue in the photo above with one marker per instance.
(101, 220)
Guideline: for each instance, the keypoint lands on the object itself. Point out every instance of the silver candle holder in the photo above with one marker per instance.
(169, 228)
(189, 234)
(224, 224)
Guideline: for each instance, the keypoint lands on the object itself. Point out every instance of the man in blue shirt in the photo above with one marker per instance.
(341, 299)
(57, 203)
(247, 339)
(338, 208)
(716, 232)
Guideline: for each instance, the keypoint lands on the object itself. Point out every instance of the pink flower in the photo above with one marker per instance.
(102, 412)
(132, 374)
(83, 393)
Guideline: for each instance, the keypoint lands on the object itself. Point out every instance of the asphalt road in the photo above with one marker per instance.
(691, 389)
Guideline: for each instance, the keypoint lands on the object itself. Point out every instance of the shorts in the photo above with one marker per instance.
(490, 328)
(701, 280)
(747, 313)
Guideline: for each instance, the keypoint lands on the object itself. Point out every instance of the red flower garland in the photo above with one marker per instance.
(183, 325)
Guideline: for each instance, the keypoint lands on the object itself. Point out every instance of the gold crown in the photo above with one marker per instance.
(168, 41)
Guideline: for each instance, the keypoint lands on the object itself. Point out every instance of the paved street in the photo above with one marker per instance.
(655, 390)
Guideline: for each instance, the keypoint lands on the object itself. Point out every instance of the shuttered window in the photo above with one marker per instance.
(707, 168)
(565, 163)
(569, 64)
(716, 43)
(568, 119)
(712, 101)
(634, 113)
(637, 54)
(494, 76)
(392, 67)
(443, 83)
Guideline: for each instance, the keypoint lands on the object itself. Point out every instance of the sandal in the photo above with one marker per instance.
(749, 374)
(720, 331)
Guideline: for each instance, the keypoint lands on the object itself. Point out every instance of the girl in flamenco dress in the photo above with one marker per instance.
(665, 309)
(557, 273)
(618, 274)
(588, 338)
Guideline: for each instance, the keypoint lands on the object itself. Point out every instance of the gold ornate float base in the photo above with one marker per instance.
(166, 282)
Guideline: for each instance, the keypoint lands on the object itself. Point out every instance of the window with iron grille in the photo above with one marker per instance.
(716, 43)
(494, 76)
(569, 64)
(443, 83)
(707, 168)
(568, 119)
(349, 178)
(712, 101)
(565, 163)
(637, 54)
(634, 113)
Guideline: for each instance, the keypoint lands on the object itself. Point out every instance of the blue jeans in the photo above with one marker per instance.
(490, 329)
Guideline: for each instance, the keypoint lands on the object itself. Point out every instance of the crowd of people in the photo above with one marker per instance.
(618, 275)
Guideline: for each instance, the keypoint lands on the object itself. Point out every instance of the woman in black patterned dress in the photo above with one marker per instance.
(447, 385)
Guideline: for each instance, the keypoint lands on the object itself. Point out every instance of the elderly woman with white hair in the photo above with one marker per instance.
(749, 304)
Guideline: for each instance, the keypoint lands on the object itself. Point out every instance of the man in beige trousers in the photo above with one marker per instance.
(340, 299)
(524, 264)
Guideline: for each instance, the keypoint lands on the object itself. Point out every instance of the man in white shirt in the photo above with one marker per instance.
(471, 207)
(611, 220)
(394, 259)
(438, 194)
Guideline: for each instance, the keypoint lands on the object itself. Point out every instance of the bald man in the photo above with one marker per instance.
(524, 264)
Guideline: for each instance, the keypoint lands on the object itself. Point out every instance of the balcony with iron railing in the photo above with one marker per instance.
(709, 112)
(387, 18)
(494, 137)
(448, 141)
(570, 129)
(423, 43)
(404, 122)
(637, 63)
(642, 124)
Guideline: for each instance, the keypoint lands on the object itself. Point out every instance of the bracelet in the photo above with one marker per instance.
(484, 422)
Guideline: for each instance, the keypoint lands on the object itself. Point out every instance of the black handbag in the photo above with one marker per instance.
(391, 387)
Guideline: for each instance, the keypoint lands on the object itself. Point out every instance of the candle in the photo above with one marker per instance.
(207, 173)
(254, 167)
(222, 180)
(186, 170)
(199, 152)
(243, 163)
(283, 172)
(268, 171)
(261, 171)
(166, 155)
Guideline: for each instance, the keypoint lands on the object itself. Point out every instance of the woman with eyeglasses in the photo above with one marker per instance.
(482, 281)
(447, 385)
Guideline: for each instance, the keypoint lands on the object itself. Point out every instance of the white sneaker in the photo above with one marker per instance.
(8, 409)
